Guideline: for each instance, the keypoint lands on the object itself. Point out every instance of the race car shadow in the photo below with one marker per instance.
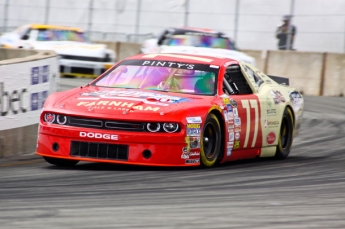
(255, 162)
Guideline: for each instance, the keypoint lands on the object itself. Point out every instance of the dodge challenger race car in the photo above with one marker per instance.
(78, 57)
(171, 110)
(195, 41)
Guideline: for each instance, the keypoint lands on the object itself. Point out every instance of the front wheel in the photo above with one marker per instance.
(61, 162)
(210, 142)
(285, 135)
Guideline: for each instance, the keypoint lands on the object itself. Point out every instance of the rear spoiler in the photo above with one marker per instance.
(280, 80)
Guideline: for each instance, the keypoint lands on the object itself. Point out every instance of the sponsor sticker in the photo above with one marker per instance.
(194, 142)
(229, 107)
(297, 100)
(185, 153)
(277, 96)
(269, 102)
(237, 135)
(233, 102)
(237, 121)
(271, 137)
(230, 115)
(228, 151)
(231, 136)
(194, 120)
(271, 112)
(194, 154)
(114, 105)
(226, 101)
(235, 112)
(193, 129)
(273, 123)
(192, 161)
(225, 113)
(167, 64)
(98, 135)
(236, 144)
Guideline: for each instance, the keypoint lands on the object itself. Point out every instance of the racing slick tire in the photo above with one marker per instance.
(61, 162)
(210, 145)
(285, 135)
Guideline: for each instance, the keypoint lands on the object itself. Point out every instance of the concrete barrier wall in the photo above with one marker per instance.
(303, 69)
(260, 57)
(122, 49)
(334, 77)
(127, 49)
(25, 82)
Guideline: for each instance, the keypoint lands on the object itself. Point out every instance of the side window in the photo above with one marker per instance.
(236, 80)
(252, 75)
(25, 35)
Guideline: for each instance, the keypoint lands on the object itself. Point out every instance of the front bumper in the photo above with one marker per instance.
(139, 148)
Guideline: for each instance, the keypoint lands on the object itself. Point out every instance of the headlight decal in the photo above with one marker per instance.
(170, 127)
(49, 118)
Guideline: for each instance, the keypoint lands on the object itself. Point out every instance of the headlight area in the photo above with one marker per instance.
(51, 118)
(169, 127)
(152, 127)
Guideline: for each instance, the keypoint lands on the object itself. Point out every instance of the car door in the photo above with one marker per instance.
(270, 112)
(243, 117)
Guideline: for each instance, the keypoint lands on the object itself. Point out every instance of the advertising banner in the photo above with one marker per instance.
(23, 89)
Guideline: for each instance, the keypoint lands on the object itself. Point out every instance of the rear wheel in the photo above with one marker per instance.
(210, 142)
(61, 162)
(285, 135)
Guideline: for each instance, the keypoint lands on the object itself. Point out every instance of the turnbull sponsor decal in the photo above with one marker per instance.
(114, 104)
(133, 94)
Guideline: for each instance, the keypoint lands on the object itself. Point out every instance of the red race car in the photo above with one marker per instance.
(171, 110)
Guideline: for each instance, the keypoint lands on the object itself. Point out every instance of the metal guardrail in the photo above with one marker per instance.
(105, 36)
(121, 37)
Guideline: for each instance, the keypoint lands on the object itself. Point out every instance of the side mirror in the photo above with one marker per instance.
(25, 37)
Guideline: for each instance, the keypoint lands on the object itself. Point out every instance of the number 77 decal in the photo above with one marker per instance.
(253, 104)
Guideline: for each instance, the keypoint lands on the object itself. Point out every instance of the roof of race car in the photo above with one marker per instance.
(57, 27)
(184, 30)
(197, 59)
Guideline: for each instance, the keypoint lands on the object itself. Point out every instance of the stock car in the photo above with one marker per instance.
(192, 40)
(77, 55)
(171, 110)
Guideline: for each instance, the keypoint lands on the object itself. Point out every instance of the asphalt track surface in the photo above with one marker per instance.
(307, 190)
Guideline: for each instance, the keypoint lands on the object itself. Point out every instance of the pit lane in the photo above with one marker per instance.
(304, 191)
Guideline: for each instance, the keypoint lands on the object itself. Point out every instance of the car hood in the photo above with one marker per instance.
(209, 51)
(72, 48)
(130, 103)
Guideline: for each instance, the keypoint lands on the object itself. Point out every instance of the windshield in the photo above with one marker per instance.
(162, 76)
(59, 35)
(200, 41)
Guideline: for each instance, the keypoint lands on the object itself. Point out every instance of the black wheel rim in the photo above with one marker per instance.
(209, 141)
(284, 133)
